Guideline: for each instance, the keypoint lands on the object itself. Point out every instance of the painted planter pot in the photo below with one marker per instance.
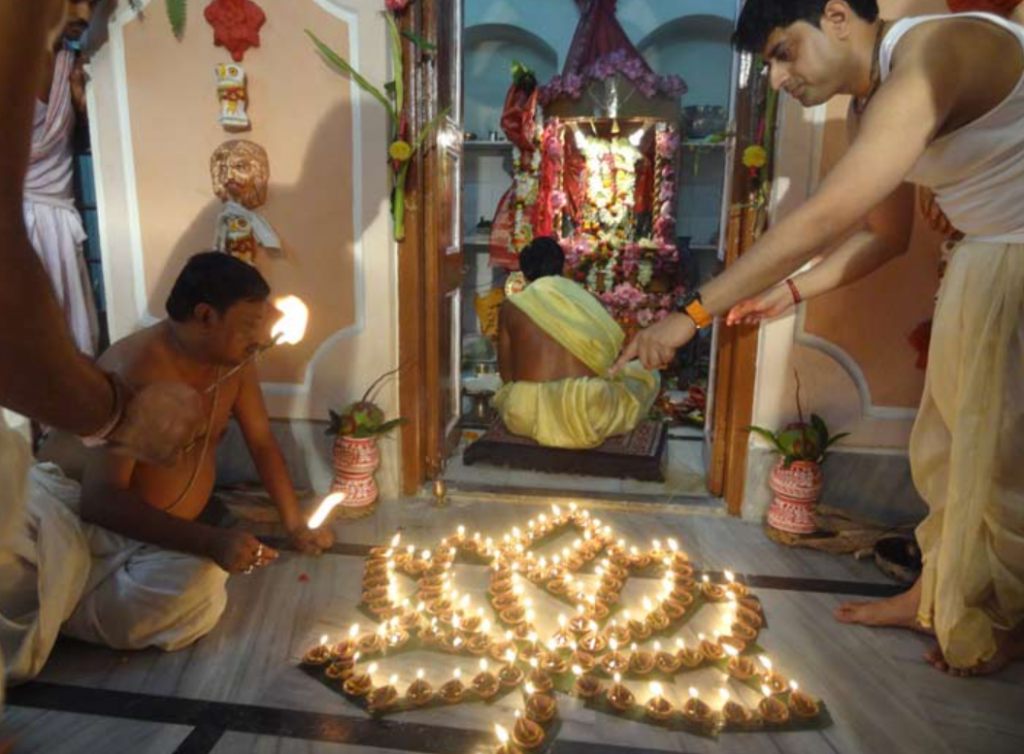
(355, 461)
(797, 491)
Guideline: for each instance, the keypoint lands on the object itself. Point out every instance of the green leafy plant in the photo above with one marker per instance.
(177, 14)
(392, 97)
(364, 418)
(801, 440)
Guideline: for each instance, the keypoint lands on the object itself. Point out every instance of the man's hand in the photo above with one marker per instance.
(311, 541)
(656, 346)
(771, 304)
(77, 83)
(158, 422)
(240, 552)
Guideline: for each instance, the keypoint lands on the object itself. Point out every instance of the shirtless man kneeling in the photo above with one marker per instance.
(158, 575)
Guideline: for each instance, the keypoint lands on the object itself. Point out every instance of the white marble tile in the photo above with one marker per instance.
(35, 731)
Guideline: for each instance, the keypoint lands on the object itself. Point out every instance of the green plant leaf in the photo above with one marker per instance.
(396, 63)
(177, 14)
(422, 136)
(419, 41)
(343, 65)
(387, 426)
(770, 437)
(835, 438)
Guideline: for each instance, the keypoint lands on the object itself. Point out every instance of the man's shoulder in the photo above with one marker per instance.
(139, 358)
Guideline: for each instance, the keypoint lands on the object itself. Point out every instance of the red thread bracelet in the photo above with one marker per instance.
(797, 298)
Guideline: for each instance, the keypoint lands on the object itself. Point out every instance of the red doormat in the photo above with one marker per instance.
(637, 455)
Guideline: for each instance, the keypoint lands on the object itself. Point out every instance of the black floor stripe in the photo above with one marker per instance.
(216, 718)
(756, 581)
(202, 740)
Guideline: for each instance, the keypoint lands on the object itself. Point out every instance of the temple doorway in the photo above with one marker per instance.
(609, 126)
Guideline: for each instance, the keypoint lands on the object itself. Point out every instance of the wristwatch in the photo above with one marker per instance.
(693, 306)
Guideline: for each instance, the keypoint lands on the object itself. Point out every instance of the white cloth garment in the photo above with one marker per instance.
(92, 584)
(14, 462)
(54, 225)
(977, 171)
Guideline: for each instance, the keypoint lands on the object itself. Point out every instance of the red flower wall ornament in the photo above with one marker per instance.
(236, 25)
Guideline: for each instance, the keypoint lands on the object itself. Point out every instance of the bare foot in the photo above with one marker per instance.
(898, 612)
(1009, 648)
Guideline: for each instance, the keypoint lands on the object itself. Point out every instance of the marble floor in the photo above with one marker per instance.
(238, 690)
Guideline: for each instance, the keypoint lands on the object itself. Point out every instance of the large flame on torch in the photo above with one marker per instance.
(291, 328)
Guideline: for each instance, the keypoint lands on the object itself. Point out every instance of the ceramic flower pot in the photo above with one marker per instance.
(355, 461)
(797, 491)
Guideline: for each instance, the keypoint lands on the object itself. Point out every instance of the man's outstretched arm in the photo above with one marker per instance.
(42, 375)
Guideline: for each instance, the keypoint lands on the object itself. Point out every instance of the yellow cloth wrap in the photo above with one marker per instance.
(966, 453)
(580, 412)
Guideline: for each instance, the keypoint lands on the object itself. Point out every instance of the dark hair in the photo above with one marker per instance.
(759, 18)
(542, 258)
(217, 279)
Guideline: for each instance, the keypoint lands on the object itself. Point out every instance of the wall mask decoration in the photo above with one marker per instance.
(240, 171)
(236, 25)
(231, 91)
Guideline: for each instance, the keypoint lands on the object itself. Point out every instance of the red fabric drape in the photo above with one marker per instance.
(999, 7)
(598, 34)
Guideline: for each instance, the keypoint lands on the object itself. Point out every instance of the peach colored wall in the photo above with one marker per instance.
(328, 199)
(300, 113)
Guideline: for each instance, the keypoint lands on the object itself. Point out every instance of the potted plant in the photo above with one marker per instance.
(797, 479)
(356, 429)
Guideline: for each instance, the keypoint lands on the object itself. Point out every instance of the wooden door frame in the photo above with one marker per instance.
(736, 358)
(422, 275)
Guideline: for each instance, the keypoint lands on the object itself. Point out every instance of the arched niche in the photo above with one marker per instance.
(698, 48)
(488, 52)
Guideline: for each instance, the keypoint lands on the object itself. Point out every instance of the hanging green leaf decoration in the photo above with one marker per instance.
(176, 13)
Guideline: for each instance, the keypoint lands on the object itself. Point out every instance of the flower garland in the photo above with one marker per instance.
(526, 176)
(666, 148)
(615, 63)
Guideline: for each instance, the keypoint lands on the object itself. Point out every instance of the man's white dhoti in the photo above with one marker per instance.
(90, 583)
(967, 454)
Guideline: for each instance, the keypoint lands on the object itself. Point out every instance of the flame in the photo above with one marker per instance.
(656, 689)
(501, 733)
(291, 328)
(329, 503)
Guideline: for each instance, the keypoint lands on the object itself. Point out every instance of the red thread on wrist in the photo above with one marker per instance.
(797, 298)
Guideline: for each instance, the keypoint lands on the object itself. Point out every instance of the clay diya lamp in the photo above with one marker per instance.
(370, 643)
(771, 709)
(657, 620)
(397, 638)
(613, 662)
(470, 624)
(712, 651)
(689, 657)
(510, 676)
(616, 571)
(383, 698)
(453, 691)
(583, 659)
(683, 595)
(733, 587)
(380, 553)
(360, 685)
(340, 670)
(639, 630)
(752, 603)
(557, 586)
(502, 585)
(641, 662)
(742, 668)
(665, 662)
(640, 560)
(541, 708)
(696, 710)
(681, 566)
(579, 624)
(575, 562)
(622, 559)
(523, 631)
(772, 680)
(318, 655)
(593, 643)
(749, 617)
(673, 608)
(731, 641)
(658, 707)
(485, 683)
(439, 607)
(610, 583)
(555, 664)
(527, 734)
(802, 705)
(598, 610)
(587, 686)
(500, 649)
(416, 567)
(619, 697)
(734, 715)
(478, 644)
(506, 600)
(420, 692)
(540, 679)
(513, 616)
(375, 595)
(743, 632)
(712, 592)
(619, 633)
